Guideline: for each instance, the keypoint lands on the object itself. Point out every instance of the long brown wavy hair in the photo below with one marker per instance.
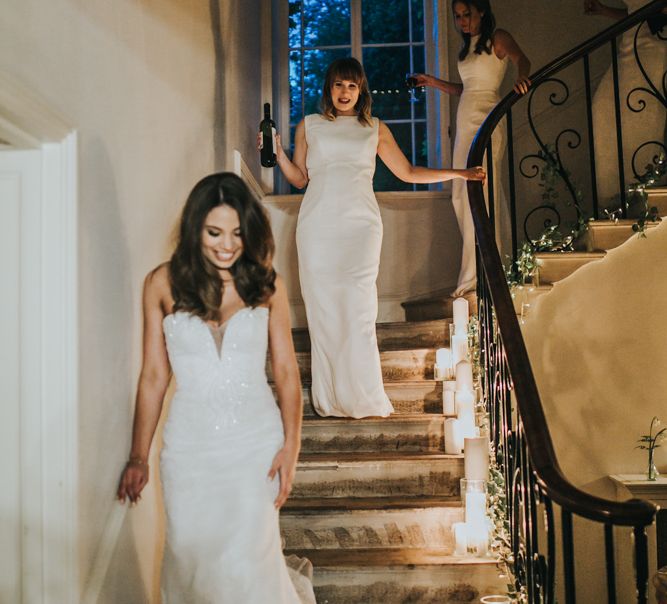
(347, 69)
(196, 285)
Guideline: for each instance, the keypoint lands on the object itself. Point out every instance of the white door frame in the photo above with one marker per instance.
(49, 462)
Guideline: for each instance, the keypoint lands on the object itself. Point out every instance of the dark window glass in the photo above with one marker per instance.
(417, 18)
(384, 180)
(384, 21)
(295, 108)
(294, 31)
(326, 23)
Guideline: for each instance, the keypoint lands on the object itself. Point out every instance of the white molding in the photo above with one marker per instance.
(49, 423)
(241, 169)
(60, 360)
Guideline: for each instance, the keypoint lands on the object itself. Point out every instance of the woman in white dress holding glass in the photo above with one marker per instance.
(339, 236)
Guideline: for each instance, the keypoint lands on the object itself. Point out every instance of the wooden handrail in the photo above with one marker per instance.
(634, 512)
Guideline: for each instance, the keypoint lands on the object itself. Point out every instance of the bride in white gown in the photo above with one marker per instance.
(339, 235)
(229, 453)
(482, 65)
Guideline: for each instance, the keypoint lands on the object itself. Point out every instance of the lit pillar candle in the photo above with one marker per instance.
(464, 375)
(476, 462)
(475, 509)
(465, 404)
(448, 402)
(460, 538)
(443, 364)
(453, 437)
(459, 349)
(460, 312)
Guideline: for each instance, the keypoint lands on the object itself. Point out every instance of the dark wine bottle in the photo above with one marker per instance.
(267, 127)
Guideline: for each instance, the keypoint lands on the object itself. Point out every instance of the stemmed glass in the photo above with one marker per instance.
(411, 83)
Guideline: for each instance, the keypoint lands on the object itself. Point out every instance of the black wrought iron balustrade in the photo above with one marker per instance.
(543, 541)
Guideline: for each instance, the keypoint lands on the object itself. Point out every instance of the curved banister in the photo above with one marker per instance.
(543, 458)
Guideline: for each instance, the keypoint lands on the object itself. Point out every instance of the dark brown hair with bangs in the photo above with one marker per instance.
(347, 69)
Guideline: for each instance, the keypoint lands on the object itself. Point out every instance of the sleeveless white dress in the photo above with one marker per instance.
(481, 76)
(638, 127)
(224, 428)
(339, 236)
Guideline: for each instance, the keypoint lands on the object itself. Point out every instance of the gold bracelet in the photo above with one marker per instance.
(136, 461)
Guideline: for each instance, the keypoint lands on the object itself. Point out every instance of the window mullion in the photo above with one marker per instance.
(355, 29)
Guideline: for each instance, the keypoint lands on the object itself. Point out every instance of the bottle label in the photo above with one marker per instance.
(273, 140)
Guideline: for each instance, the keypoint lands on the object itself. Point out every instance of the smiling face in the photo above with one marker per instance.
(344, 95)
(468, 19)
(221, 240)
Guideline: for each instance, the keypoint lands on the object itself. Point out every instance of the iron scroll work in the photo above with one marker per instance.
(541, 502)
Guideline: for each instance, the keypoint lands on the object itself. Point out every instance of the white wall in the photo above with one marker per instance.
(137, 80)
(597, 347)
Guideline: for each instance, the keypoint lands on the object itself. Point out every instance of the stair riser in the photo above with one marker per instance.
(407, 436)
(560, 266)
(395, 336)
(403, 365)
(411, 397)
(446, 584)
(602, 236)
(658, 199)
(413, 528)
(439, 477)
(439, 307)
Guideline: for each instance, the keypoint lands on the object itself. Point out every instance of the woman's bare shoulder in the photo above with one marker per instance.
(157, 285)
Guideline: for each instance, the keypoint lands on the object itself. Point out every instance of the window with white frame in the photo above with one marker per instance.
(390, 38)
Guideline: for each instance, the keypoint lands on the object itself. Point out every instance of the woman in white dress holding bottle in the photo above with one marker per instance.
(229, 452)
(482, 65)
(339, 236)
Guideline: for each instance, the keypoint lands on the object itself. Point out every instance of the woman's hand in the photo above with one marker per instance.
(423, 79)
(476, 173)
(279, 151)
(284, 464)
(132, 481)
(522, 85)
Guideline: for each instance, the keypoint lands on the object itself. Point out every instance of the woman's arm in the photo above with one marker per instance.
(153, 383)
(391, 154)
(288, 386)
(504, 45)
(595, 7)
(295, 171)
(424, 79)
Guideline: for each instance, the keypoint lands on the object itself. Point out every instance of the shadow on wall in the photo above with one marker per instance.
(107, 328)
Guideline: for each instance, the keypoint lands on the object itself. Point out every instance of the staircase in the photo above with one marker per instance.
(374, 499)
(600, 237)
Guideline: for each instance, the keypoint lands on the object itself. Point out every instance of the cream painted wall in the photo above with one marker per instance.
(136, 78)
(597, 347)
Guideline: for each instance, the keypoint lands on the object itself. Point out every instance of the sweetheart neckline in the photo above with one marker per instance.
(218, 352)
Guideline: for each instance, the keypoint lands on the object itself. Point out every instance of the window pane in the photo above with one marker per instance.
(294, 31)
(384, 180)
(384, 21)
(295, 111)
(326, 23)
(315, 63)
(417, 16)
(386, 69)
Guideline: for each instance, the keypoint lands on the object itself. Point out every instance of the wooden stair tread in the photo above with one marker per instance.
(341, 504)
(374, 456)
(394, 417)
(384, 557)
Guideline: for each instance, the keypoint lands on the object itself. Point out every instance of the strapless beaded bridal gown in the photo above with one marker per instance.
(339, 236)
(224, 428)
